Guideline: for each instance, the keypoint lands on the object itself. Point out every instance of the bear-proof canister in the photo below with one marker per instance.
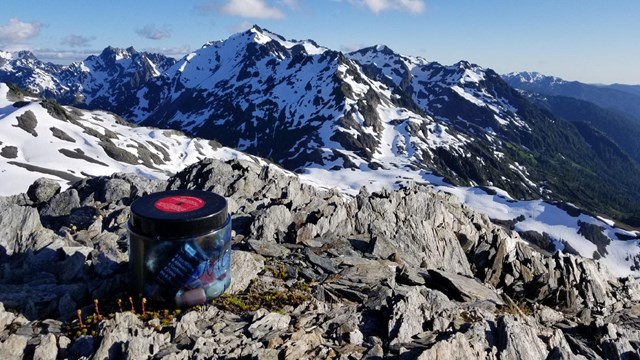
(180, 246)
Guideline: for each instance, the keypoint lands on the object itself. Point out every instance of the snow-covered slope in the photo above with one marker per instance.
(295, 102)
(435, 87)
(39, 138)
(372, 117)
(306, 106)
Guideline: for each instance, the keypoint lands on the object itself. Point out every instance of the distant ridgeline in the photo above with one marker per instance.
(304, 107)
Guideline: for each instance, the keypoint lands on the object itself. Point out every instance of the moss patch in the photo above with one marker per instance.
(271, 300)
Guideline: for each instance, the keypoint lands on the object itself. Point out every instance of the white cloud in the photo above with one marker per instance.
(377, 6)
(14, 47)
(346, 48)
(174, 52)
(153, 32)
(77, 40)
(16, 31)
(64, 57)
(243, 26)
(290, 3)
(258, 9)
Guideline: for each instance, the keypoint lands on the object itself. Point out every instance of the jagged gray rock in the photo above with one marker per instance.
(433, 280)
(107, 257)
(114, 190)
(268, 248)
(245, 267)
(47, 349)
(42, 190)
(265, 324)
(408, 317)
(519, 341)
(268, 222)
(125, 337)
(13, 347)
(420, 218)
(560, 348)
(462, 288)
(457, 346)
(61, 204)
(17, 225)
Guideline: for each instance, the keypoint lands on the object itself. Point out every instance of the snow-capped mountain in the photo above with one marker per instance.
(533, 77)
(302, 104)
(367, 117)
(26, 71)
(439, 90)
(40, 138)
(104, 81)
(305, 107)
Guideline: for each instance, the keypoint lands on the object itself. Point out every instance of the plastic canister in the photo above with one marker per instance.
(180, 246)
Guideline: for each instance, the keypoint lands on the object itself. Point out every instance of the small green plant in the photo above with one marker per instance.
(279, 271)
(271, 300)
(88, 325)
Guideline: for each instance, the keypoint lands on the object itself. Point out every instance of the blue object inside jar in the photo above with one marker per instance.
(174, 266)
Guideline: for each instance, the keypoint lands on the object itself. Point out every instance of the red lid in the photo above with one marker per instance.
(178, 213)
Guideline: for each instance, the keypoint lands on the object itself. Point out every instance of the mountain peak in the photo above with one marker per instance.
(263, 36)
(111, 52)
(379, 48)
(26, 55)
(530, 77)
(256, 28)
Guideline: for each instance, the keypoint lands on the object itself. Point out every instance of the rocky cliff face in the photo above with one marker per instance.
(408, 274)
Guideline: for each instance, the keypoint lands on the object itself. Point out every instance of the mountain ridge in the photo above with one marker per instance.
(608, 97)
(308, 107)
(99, 82)
(40, 138)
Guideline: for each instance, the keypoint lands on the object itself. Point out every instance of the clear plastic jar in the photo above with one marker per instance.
(180, 246)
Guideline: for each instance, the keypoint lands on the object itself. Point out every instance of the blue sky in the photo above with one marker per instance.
(585, 40)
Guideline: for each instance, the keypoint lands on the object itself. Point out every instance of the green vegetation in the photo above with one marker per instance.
(55, 110)
(271, 300)
(18, 92)
(620, 128)
(565, 161)
(89, 324)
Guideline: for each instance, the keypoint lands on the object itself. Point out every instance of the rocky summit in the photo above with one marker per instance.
(403, 274)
